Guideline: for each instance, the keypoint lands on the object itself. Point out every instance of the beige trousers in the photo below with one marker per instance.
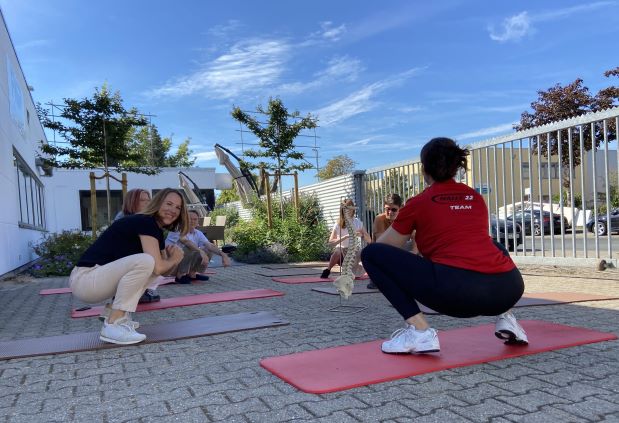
(125, 279)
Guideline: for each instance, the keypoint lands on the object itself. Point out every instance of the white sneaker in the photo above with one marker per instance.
(120, 332)
(410, 340)
(106, 313)
(508, 329)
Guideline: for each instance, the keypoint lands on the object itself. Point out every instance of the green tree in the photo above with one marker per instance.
(97, 132)
(337, 166)
(276, 137)
(227, 196)
(564, 102)
(182, 157)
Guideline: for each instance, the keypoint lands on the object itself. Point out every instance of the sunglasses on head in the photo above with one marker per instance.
(392, 209)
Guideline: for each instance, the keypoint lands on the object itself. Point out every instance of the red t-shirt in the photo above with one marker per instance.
(451, 220)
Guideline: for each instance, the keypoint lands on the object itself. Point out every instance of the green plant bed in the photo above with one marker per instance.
(59, 252)
(287, 240)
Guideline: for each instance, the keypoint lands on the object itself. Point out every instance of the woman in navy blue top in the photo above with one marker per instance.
(125, 259)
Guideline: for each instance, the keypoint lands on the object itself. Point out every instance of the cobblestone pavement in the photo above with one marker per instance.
(218, 378)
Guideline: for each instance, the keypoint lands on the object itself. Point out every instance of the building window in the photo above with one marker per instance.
(30, 192)
(116, 203)
(554, 170)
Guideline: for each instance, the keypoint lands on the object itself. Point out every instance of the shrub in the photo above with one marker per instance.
(59, 252)
(288, 240)
(273, 253)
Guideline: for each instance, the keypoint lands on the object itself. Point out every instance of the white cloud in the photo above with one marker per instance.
(360, 101)
(484, 132)
(33, 44)
(516, 27)
(331, 33)
(353, 104)
(250, 66)
(410, 109)
(513, 28)
(338, 69)
(363, 141)
(222, 31)
(205, 156)
(568, 11)
(328, 33)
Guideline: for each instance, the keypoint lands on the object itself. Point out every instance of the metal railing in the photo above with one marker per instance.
(553, 190)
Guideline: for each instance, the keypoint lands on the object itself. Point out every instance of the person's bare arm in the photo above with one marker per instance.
(393, 237)
(378, 228)
(150, 246)
(334, 239)
(209, 246)
(189, 244)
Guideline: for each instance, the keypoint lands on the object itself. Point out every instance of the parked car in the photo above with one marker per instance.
(601, 226)
(535, 220)
(504, 232)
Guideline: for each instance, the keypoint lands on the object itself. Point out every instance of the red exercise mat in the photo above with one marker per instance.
(351, 366)
(313, 279)
(67, 290)
(547, 298)
(189, 300)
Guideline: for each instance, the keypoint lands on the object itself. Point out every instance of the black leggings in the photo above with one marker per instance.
(403, 277)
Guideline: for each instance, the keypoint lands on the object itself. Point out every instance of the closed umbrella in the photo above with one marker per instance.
(193, 200)
(244, 181)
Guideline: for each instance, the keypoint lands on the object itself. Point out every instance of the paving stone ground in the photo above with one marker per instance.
(218, 378)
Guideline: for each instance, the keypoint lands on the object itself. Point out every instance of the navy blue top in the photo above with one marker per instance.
(122, 239)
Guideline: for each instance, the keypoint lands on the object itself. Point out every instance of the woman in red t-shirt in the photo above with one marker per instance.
(461, 272)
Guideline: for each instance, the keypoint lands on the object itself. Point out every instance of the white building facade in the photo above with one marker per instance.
(69, 195)
(23, 217)
(36, 201)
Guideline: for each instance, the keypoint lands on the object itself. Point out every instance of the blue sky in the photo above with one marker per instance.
(381, 79)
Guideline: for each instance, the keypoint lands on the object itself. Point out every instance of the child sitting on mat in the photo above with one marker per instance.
(197, 249)
(125, 259)
(462, 273)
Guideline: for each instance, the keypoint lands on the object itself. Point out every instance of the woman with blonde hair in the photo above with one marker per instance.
(339, 236)
(125, 259)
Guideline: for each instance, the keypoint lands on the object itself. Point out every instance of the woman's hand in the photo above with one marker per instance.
(336, 241)
(175, 253)
(362, 233)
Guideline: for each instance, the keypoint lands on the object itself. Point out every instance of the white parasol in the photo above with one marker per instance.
(244, 182)
(193, 201)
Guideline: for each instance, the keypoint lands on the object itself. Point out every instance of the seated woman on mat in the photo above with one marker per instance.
(462, 273)
(197, 251)
(125, 258)
(339, 237)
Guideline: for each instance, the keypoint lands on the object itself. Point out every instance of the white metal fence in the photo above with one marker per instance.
(552, 191)
(329, 193)
(559, 205)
